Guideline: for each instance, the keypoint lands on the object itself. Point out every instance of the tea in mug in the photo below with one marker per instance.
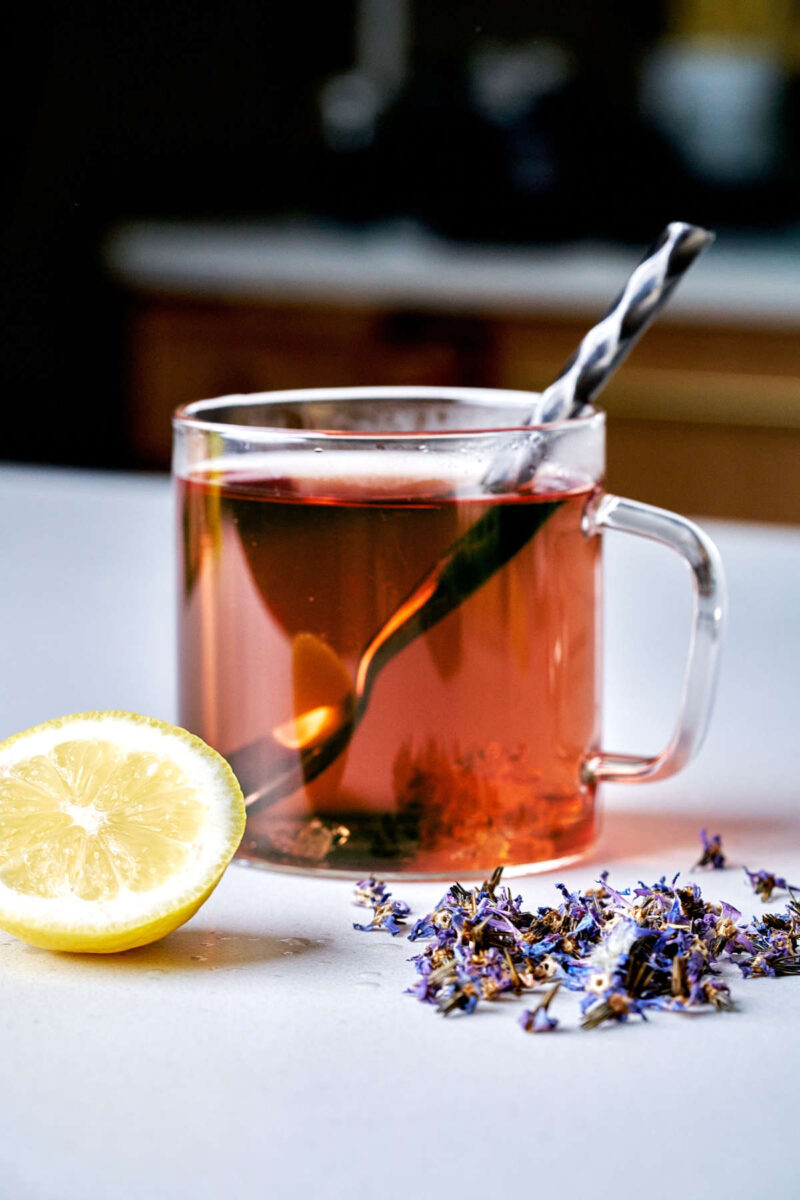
(470, 752)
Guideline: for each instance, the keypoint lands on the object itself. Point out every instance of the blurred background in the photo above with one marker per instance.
(212, 198)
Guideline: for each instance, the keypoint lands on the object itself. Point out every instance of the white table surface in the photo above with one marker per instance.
(267, 1049)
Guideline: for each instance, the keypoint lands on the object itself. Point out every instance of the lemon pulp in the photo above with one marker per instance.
(90, 819)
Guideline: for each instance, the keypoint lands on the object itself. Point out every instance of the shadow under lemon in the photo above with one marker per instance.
(191, 949)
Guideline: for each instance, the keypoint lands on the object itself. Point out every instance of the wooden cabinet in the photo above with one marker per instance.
(181, 351)
(703, 420)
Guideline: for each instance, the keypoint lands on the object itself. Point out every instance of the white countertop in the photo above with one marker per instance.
(267, 1049)
(743, 281)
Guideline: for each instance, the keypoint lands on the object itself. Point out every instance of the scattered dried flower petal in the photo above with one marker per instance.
(712, 855)
(369, 892)
(538, 1019)
(764, 883)
(387, 914)
(657, 946)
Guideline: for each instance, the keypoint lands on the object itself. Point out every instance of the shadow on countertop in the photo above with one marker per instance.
(194, 949)
(641, 833)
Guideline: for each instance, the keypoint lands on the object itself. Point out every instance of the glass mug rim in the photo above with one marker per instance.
(191, 416)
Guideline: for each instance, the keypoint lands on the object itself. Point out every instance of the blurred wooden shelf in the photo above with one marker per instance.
(705, 416)
(702, 420)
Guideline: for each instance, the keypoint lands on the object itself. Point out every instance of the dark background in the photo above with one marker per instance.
(115, 112)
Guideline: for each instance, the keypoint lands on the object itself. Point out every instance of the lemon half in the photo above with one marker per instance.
(114, 828)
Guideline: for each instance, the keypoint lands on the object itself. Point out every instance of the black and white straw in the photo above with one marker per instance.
(606, 345)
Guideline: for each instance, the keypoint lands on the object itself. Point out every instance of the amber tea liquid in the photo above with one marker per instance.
(470, 752)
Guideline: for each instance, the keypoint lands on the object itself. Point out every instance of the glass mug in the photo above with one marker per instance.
(402, 664)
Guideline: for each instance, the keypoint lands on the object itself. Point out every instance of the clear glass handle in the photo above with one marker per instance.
(702, 557)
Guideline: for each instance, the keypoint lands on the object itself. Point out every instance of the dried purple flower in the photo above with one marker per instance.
(538, 1019)
(712, 855)
(614, 1006)
(715, 992)
(764, 883)
(369, 892)
(656, 946)
(770, 944)
(387, 914)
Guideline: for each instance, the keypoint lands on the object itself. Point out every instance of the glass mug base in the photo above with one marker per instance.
(427, 842)
(390, 875)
